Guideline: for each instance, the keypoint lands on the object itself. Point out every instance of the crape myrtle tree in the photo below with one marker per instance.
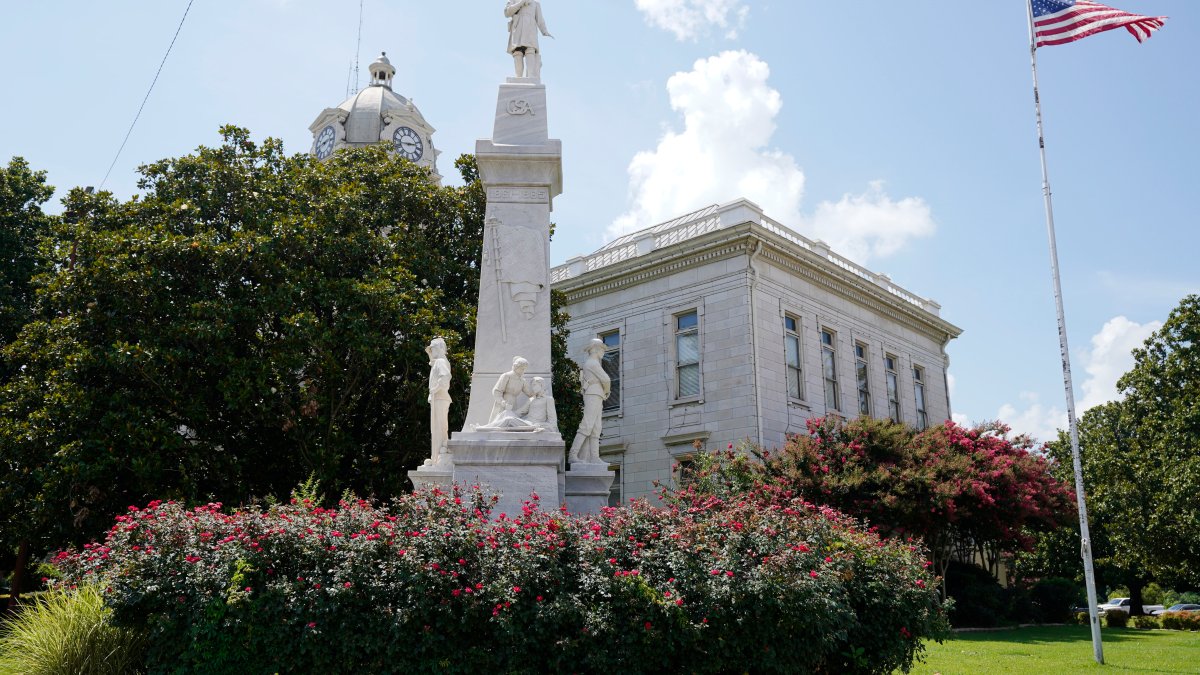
(962, 490)
(250, 320)
(1141, 465)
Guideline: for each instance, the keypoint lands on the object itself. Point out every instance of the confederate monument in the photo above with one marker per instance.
(511, 441)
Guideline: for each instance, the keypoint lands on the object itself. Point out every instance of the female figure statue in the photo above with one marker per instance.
(439, 400)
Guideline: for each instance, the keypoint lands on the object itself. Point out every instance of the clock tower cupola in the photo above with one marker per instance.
(376, 114)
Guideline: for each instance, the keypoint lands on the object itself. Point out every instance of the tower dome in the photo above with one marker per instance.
(376, 114)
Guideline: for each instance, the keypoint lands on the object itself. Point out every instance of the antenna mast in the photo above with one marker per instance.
(358, 47)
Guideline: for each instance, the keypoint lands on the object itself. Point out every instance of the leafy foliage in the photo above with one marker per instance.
(68, 632)
(430, 584)
(952, 486)
(1055, 598)
(1180, 620)
(1141, 462)
(22, 224)
(1157, 438)
(250, 320)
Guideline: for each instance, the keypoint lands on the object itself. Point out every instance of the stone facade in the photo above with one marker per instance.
(730, 286)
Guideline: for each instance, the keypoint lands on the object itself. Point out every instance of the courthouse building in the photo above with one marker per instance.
(724, 326)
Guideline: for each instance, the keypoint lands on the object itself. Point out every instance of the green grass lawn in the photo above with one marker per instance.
(1064, 649)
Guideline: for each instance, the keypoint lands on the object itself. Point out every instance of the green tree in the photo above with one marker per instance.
(1161, 422)
(1141, 465)
(22, 225)
(251, 319)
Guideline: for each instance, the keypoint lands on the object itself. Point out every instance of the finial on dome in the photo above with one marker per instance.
(382, 71)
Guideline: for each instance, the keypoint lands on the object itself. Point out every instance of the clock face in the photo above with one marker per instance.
(324, 143)
(408, 144)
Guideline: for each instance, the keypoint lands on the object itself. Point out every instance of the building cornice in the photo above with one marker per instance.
(740, 240)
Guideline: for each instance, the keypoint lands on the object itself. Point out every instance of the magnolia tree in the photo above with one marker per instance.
(962, 490)
(250, 319)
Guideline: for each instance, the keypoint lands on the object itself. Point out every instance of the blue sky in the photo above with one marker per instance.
(900, 132)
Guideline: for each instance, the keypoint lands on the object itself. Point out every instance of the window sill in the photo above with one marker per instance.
(691, 400)
(615, 412)
(798, 403)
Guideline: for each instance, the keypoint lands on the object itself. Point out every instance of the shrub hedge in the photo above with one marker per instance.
(1146, 622)
(1180, 620)
(1054, 599)
(429, 583)
(1116, 619)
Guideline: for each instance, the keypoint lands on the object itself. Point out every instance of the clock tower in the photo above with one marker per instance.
(377, 114)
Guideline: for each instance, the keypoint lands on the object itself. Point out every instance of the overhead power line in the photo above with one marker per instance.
(147, 97)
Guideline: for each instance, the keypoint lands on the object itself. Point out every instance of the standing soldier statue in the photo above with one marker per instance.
(524, 23)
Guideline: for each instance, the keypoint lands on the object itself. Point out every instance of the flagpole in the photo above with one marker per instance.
(1084, 536)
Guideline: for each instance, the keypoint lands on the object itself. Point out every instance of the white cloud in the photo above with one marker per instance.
(961, 419)
(729, 118)
(1110, 357)
(723, 152)
(871, 225)
(689, 19)
(1038, 420)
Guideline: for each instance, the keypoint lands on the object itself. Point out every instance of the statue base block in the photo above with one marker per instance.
(587, 487)
(515, 465)
(425, 477)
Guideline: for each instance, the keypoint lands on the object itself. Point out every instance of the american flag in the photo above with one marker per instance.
(1057, 22)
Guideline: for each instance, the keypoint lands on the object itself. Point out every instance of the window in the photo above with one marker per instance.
(687, 355)
(614, 491)
(860, 369)
(685, 470)
(919, 396)
(791, 344)
(829, 368)
(893, 391)
(612, 366)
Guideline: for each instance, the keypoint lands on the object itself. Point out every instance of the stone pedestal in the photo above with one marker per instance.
(428, 477)
(515, 465)
(587, 487)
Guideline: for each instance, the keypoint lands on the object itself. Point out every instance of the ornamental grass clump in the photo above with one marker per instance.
(431, 582)
(68, 632)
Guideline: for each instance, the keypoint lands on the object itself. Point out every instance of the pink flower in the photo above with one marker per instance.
(312, 624)
(347, 584)
(813, 574)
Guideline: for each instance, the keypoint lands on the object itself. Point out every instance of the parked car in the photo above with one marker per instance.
(1125, 606)
(1183, 607)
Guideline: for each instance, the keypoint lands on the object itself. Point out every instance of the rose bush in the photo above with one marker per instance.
(431, 582)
